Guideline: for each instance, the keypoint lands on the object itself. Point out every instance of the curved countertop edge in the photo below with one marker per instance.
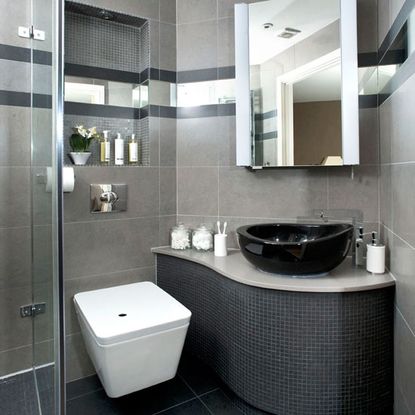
(344, 278)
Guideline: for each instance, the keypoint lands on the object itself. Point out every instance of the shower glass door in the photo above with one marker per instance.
(46, 215)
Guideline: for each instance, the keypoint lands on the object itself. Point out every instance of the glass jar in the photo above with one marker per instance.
(202, 239)
(180, 237)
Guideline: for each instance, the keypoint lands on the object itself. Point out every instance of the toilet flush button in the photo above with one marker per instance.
(122, 315)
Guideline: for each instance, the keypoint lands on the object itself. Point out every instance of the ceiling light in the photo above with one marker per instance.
(288, 33)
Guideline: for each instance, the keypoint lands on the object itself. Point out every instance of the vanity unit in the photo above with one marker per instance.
(288, 345)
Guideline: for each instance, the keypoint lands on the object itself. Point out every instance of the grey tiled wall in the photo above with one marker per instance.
(117, 246)
(210, 186)
(397, 206)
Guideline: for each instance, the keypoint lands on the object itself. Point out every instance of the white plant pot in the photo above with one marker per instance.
(80, 159)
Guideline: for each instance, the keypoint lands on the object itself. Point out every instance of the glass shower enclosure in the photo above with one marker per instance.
(31, 292)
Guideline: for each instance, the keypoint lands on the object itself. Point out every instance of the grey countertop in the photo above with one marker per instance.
(345, 278)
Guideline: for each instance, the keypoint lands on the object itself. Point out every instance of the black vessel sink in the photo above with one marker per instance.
(295, 249)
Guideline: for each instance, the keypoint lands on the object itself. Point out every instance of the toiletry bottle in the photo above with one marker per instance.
(133, 150)
(105, 149)
(359, 248)
(119, 150)
(375, 262)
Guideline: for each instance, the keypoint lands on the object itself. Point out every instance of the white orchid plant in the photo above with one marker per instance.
(82, 138)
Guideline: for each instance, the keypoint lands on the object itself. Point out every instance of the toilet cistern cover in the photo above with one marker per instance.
(129, 311)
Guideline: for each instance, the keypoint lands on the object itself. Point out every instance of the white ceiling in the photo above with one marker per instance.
(309, 16)
(322, 86)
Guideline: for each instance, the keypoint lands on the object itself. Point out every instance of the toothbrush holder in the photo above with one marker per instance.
(220, 245)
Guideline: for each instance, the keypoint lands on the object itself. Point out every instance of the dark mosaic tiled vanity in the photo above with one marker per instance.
(288, 346)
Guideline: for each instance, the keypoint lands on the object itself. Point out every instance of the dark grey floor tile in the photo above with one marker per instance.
(18, 395)
(96, 403)
(45, 378)
(156, 398)
(219, 404)
(145, 402)
(47, 402)
(197, 375)
(193, 407)
(82, 387)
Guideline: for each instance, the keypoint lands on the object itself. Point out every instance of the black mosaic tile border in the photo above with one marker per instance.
(15, 53)
(23, 99)
(289, 353)
(105, 111)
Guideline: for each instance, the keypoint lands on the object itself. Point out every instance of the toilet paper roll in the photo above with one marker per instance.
(68, 179)
(375, 260)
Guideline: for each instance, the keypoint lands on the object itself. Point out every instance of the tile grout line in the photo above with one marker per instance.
(194, 392)
(174, 406)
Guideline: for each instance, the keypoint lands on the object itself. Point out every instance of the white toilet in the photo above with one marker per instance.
(134, 335)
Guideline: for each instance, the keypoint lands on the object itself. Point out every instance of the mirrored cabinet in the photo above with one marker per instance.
(296, 83)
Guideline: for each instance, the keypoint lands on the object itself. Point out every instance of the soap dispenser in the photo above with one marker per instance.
(359, 249)
(133, 150)
(105, 149)
(119, 150)
(375, 262)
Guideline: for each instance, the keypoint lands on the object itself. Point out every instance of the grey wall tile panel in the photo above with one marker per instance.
(15, 360)
(168, 139)
(189, 11)
(369, 136)
(197, 190)
(277, 193)
(198, 142)
(154, 41)
(294, 360)
(401, 259)
(359, 191)
(143, 195)
(166, 223)
(168, 191)
(168, 11)
(15, 257)
(403, 201)
(14, 136)
(404, 361)
(226, 42)
(18, 14)
(112, 245)
(167, 47)
(15, 209)
(197, 45)
(14, 332)
(400, 405)
(78, 363)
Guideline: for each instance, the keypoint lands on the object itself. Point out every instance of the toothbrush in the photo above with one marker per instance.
(224, 228)
(218, 225)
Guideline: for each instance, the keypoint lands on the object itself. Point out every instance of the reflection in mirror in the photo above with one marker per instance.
(206, 93)
(101, 92)
(296, 83)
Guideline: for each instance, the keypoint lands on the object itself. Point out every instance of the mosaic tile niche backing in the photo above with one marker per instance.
(290, 353)
(124, 126)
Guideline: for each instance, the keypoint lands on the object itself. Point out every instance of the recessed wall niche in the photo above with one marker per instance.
(107, 60)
